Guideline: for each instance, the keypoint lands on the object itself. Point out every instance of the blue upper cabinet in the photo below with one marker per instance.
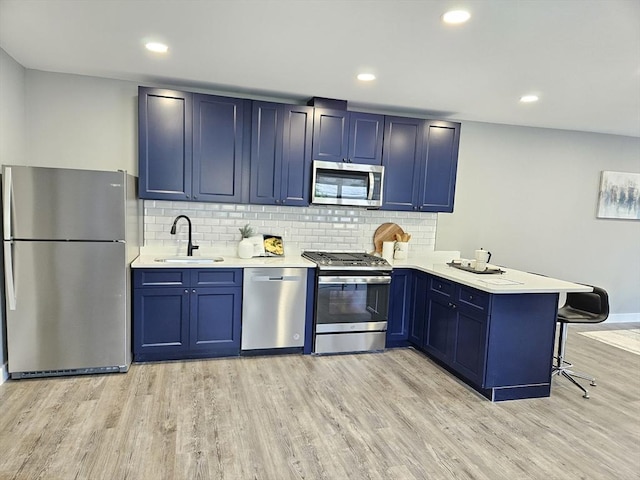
(343, 136)
(365, 138)
(267, 126)
(164, 132)
(296, 155)
(420, 159)
(219, 131)
(191, 146)
(280, 154)
(403, 146)
(438, 175)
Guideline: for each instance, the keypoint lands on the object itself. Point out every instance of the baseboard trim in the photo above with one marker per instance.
(623, 318)
(4, 373)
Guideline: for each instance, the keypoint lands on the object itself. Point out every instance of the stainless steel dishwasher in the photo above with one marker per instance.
(273, 308)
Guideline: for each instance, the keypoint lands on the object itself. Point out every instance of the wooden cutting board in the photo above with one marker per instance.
(385, 233)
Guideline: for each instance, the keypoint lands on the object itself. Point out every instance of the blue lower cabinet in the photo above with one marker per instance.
(399, 308)
(190, 321)
(417, 323)
(501, 345)
(215, 320)
(161, 321)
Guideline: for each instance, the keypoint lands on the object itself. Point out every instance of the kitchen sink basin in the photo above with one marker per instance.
(191, 260)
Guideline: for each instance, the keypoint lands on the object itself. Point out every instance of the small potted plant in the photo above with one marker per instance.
(245, 247)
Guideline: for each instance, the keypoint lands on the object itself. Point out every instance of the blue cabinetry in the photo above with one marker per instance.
(439, 165)
(186, 313)
(219, 154)
(420, 159)
(456, 327)
(210, 148)
(399, 308)
(418, 308)
(343, 136)
(501, 345)
(164, 143)
(191, 146)
(280, 154)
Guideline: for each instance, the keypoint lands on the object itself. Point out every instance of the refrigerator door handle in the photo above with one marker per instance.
(8, 275)
(7, 203)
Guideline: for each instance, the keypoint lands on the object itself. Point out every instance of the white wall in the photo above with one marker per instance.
(529, 196)
(76, 121)
(12, 132)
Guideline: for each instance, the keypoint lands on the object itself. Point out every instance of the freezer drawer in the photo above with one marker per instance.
(67, 306)
(273, 308)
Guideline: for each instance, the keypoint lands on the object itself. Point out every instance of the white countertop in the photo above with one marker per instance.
(230, 261)
(510, 282)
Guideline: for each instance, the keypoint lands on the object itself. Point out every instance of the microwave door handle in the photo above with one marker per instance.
(372, 183)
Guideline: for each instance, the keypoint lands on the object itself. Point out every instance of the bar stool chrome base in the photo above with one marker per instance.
(562, 367)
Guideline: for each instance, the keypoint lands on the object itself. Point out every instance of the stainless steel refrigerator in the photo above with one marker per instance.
(69, 237)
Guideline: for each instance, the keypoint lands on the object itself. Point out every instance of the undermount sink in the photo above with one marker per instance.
(191, 260)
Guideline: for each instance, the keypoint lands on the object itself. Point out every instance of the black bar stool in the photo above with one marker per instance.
(581, 307)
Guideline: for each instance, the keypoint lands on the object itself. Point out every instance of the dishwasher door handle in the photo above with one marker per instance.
(284, 278)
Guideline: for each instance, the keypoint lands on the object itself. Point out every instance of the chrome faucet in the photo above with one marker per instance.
(190, 246)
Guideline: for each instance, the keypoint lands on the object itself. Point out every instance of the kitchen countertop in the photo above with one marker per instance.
(510, 282)
(230, 261)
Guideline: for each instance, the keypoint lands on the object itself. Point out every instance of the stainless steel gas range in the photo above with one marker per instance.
(352, 301)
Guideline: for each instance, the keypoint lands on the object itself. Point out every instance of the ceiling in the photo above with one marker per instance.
(582, 57)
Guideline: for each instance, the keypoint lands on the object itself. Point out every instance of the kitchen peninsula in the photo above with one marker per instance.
(494, 332)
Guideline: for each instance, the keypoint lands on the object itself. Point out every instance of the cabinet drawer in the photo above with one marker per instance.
(442, 286)
(160, 277)
(216, 277)
(474, 298)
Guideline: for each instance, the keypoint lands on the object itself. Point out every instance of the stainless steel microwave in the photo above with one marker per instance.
(335, 183)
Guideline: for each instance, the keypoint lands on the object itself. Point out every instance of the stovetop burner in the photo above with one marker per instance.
(346, 260)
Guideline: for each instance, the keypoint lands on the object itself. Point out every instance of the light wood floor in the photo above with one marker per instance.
(393, 415)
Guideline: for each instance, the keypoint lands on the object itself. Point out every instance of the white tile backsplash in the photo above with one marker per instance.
(216, 225)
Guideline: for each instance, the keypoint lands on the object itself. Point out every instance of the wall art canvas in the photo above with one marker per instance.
(619, 195)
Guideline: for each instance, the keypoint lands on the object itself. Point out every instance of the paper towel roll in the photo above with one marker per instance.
(387, 250)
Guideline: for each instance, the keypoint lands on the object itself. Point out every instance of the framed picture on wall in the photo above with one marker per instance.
(619, 195)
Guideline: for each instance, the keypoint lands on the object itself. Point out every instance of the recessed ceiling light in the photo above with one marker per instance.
(456, 16)
(157, 47)
(529, 98)
(366, 77)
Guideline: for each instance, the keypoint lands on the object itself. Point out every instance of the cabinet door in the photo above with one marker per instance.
(330, 135)
(215, 320)
(365, 138)
(469, 345)
(440, 328)
(267, 125)
(164, 144)
(218, 148)
(438, 174)
(399, 307)
(296, 155)
(419, 309)
(401, 153)
(160, 321)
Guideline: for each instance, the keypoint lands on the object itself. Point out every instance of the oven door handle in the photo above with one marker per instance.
(382, 280)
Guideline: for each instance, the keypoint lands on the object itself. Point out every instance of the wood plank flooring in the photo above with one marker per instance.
(392, 416)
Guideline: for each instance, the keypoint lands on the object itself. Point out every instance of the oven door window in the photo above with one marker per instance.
(350, 303)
